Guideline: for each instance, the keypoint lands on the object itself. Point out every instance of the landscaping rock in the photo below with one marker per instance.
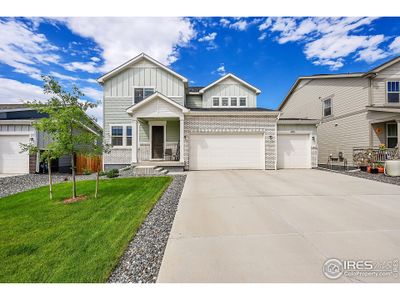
(142, 259)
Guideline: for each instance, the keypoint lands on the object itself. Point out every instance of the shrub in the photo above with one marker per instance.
(113, 173)
(86, 172)
(102, 173)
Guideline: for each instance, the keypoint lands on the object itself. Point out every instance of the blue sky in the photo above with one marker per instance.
(269, 53)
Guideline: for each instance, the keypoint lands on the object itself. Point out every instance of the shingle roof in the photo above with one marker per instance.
(12, 106)
(195, 89)
(233, 109)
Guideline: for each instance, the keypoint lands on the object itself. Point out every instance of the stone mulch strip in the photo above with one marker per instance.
(376, 177)
(142, 259)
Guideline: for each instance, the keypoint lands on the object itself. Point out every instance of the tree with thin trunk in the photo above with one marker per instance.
(96, 151)
(69, 128)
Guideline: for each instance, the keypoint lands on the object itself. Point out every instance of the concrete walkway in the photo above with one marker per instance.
(279, 226)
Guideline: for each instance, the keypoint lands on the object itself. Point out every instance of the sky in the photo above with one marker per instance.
(268, 52)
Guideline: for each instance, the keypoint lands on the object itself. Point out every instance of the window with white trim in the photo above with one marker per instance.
(243, 101)
(391, 135)
(233, 101)
(393, 92)
(327, 107)
(142, 93)
(117, 133)
(129, 135)
(225, 101)
(215, 101)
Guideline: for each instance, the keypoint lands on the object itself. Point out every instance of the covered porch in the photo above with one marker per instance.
(158, 131)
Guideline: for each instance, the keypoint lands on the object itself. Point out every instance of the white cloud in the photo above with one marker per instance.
(221, 70)
(23, 49)
(123, 38)
(394, 47)
(328, 41)
(63, 76)
(91, 80)
(89, 67)
(13, 91)
(92, 93)
(97, 113)
(262, 36)
(95, 59)
(224, 22)
(240, 25)
(208, 37)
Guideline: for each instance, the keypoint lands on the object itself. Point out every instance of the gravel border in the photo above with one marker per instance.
(142, 259)
(375, 177)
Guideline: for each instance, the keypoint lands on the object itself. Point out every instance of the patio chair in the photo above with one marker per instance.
(168, 153)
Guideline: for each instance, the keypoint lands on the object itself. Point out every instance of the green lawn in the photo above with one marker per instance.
(49, 241)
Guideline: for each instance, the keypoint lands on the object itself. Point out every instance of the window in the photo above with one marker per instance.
(215, 101)
(327, 107)
(393, 92)
(142, 93)
(129, 135)
(233, 101)
(116, 135)
(225, 101)
(391, 135)
(242, 101)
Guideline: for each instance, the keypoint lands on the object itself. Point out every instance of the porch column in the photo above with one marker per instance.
(135, 133)
(181, 139)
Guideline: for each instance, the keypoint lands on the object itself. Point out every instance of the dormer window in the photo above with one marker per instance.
(141, 93)
(393, 92)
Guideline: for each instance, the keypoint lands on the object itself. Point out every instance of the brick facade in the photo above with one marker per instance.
(32, 163)
(234, 124)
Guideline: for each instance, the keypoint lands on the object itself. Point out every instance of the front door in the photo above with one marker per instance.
(157, 142)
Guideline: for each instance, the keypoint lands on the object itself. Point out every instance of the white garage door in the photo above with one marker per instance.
(227, 151)
(294, 151)
(11, 161)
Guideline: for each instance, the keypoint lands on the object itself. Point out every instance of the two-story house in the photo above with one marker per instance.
(355, 110)
(153, 117)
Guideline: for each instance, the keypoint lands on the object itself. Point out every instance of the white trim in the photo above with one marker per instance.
(135, 107)
(141, 87)
(232, 112)
(299, 132)
(157, 123)
(392, 136)
(256, 90)
(323, 108)
(124, 146)
(387, 92)
(134, 60)
(182, 139)
(229, 101)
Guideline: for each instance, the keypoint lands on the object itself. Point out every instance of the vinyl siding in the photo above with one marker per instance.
(194, 101)
(348, 95)
(229, 87)
(379, 83)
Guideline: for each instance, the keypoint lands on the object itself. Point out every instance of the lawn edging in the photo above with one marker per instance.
(142, 259)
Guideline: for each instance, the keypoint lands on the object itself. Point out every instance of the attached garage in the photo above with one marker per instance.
(227, 151)
(11, 160)
(294, 151)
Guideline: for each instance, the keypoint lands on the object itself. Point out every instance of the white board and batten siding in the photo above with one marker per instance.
(227, 151)
(229, 87)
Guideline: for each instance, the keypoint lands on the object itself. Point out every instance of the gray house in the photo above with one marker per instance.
(16, 126)
(354, 110)
(153, 117)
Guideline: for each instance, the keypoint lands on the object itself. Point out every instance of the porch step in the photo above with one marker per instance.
(147, 170)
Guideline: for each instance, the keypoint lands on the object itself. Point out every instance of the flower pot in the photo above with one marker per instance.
(363, 168)
(374, 171)
(392, 167)
(369, 169)
(381, 169)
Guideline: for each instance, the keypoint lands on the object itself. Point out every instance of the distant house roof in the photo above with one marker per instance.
(132, 61)
(342, 75)
(13, 106)
(195, 89)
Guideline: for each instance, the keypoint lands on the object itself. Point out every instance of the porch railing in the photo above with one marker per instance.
(364, 156)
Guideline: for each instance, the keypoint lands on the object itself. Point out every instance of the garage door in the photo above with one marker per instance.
(11, 161)
(294, 151)
(227, 151)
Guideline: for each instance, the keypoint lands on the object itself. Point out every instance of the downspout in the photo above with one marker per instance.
(276, 140)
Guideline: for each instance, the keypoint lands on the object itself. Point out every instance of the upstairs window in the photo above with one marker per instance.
(129, 135)
(215, 101)
(242, 101)
(393, 92)
(225, 101)
(116, 135)
(233, 101)
(142, 93)
(327, 107)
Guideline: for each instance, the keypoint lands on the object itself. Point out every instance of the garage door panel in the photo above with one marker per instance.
(294, 151)
(226, 151)
(11, 160)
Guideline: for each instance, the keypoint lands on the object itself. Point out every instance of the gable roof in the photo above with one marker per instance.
(133, 61)
(343, 75)
(230, 75)
(150, 98)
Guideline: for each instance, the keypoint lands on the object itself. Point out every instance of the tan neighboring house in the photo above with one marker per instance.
(354, 110)
(152, 117)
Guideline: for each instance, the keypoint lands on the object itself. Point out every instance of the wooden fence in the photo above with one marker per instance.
(88, 163)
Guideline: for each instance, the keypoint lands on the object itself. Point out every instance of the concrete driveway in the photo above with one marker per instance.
(279, 226)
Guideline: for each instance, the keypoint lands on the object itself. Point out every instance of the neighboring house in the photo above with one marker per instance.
(153, 117)
(355, 110)
(16, 127)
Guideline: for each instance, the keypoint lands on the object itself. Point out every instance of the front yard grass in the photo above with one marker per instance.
(49, 241)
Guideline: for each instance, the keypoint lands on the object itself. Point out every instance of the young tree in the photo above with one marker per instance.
(100, 148)
(67, 124)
